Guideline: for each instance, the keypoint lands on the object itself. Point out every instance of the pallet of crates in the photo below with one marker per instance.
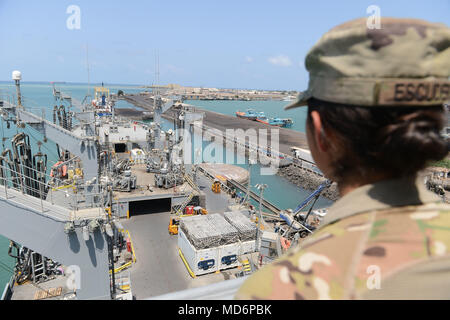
(246, 229)
(228, 250)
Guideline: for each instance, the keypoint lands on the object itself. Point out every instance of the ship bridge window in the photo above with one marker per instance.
(120, 147)
(149, 206)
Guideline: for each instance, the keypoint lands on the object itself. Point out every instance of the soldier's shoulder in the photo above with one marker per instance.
(438, 206)
(321, 266)
(316, 268)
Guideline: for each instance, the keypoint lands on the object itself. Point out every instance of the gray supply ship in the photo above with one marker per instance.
(122, 215)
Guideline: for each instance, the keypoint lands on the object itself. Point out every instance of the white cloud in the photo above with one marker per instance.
(280, 60)
(248, 59)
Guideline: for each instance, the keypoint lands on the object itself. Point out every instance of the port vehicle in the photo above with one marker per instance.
(200, 210)
(173, 225)
(216, 186)
(175, 221)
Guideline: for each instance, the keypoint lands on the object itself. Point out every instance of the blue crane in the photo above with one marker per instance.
(299, 223)
(316, 193)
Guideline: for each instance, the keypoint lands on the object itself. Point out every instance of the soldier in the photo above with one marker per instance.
(375, 112)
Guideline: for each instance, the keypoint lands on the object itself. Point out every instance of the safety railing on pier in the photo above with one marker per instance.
(206, 173)
(272, 156)
(230, 185)
(256, 197)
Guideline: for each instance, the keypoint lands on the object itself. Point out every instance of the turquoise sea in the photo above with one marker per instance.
(38, 97)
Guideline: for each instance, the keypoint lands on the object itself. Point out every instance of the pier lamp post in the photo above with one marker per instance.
(261, 188)
(251, 162)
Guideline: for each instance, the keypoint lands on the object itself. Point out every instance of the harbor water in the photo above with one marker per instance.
(271, 108)
(38, 97)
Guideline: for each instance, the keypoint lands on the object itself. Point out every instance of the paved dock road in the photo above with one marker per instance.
(159, 268)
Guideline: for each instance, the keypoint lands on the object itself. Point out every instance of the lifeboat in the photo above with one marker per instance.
(60, 170)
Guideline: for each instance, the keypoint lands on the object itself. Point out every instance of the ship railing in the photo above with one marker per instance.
(6, 99)
(190, 180)
(78, 201)
(39, 118)
(51, 180)
(178, 209)
(18, 183)
(122, 288)
(49, 190)
(58, 94)
(224, 290)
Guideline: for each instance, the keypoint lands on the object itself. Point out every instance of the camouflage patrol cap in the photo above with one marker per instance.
(404, 63)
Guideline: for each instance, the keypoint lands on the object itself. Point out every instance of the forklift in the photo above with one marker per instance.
(216, 186)
(175, 221)
(173, 225)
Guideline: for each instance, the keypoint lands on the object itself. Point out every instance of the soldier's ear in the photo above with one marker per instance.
(320, 138)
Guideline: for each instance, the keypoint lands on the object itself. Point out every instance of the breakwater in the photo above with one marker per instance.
(308, 180)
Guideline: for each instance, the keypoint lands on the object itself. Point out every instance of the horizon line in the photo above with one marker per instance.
(136, 85)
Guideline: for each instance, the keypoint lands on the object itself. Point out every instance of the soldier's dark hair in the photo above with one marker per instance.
(396, 141)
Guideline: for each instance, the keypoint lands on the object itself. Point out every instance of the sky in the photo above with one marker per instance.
(226, 44)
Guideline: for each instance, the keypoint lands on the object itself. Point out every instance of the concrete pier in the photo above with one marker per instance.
(134, 114)
(226, 171)
(287, 138)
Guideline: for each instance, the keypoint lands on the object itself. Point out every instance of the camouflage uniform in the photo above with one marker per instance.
(368, 250)
(390, 239)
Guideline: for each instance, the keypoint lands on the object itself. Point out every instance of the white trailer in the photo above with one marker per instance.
(208, 243)
(228, 255)
(247, 247)
(200, 261)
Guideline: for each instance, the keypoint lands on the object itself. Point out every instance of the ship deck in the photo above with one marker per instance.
(55, 289)
(145, 182)
(159, 269)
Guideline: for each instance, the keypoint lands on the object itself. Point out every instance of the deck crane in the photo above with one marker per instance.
(297, 222)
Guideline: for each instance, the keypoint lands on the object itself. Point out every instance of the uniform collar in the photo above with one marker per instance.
(381, 195)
